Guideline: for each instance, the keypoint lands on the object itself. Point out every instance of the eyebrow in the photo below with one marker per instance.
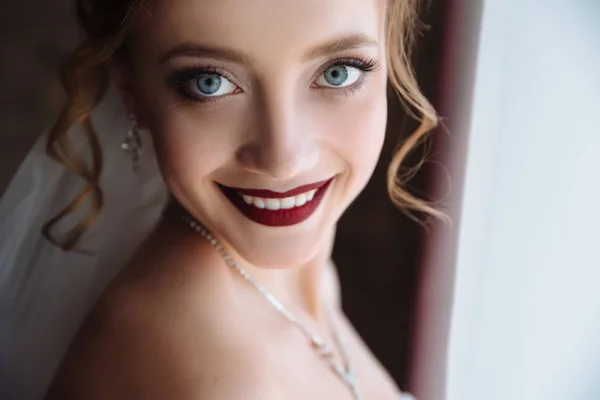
(350, 42)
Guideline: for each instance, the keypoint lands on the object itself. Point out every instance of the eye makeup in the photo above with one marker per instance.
(182, 79)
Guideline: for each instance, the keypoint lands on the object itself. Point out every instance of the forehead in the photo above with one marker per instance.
(265, 28)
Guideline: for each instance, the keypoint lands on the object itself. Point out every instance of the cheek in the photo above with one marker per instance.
(190, 145)
(190, 140)
(359, 136)
(193, 142)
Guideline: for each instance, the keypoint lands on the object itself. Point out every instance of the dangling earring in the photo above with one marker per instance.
(132, 144)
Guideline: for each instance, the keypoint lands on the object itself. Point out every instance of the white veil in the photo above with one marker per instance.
(45, 292)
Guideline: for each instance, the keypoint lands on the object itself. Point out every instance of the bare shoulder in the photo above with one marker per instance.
(160, 335)
(129, 349)
(96, 364)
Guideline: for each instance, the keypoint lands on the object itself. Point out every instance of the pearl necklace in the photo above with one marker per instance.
(343, 370)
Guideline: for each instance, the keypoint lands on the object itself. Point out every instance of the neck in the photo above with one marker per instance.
(302, 288)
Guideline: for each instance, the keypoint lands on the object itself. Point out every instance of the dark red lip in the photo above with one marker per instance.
(277, 195)
(281, 217)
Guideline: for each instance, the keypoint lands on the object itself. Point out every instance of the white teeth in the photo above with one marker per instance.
(280, 204)
(300, 200)
(287, 203)
(258, 202)
(272, 204)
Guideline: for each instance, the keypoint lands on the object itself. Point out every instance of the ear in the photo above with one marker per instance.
(130, 97)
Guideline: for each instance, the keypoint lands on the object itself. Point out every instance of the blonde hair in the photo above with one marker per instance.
(86, 75)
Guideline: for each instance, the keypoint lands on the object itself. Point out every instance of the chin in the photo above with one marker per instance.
(280, 255)
(278, 247)
(268, 242)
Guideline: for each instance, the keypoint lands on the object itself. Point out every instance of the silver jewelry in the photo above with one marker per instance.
(132, 144)
(344, 370)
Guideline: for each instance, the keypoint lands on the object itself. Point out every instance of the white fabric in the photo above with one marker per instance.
(526, 307)
(44, 292)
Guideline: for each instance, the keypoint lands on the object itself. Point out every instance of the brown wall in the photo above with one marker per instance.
(35, 37)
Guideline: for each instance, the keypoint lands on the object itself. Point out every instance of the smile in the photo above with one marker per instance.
(274, 208)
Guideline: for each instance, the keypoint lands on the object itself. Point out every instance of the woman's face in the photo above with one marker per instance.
(249, 102)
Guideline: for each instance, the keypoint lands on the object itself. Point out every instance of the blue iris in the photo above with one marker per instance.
(336, 75)
(208, 84)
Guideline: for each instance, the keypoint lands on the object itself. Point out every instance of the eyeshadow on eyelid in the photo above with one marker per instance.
(180, 80)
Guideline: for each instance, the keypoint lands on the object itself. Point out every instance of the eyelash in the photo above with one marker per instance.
(180, 79)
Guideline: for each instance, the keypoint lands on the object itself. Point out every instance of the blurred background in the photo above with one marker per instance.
(36, 37)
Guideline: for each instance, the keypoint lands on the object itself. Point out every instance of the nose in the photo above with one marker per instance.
(281, 144)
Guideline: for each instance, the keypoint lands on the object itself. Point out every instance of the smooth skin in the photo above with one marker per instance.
(177, 323)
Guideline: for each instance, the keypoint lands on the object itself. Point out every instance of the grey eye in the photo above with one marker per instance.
(336, 75)
(210, 85)
(339, 76)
